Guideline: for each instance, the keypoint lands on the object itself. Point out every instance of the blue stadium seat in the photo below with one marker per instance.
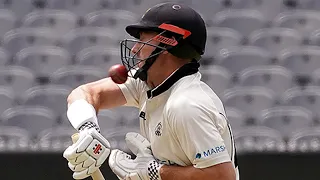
(74, 76)
(305, 22)
(60, 21)
(218, 78)
(51, 96)
(302, 61)
(250, 100)
(259, 139)
(277, 78)
(20, 38)
(219, 38)
(80, 38)
(286, 119)
(32, 118)
(238, 58)
(43, 60)
(275, 39)
(98, 56)
(245, 21)
(18, 78)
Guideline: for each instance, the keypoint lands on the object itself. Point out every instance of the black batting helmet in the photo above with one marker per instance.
(182, 32)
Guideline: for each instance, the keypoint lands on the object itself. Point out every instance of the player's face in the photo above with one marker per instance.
(145, 50)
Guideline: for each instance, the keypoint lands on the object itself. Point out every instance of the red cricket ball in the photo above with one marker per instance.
(118, 73)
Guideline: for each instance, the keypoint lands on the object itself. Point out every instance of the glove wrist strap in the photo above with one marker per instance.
(82, 115)
(154, 170)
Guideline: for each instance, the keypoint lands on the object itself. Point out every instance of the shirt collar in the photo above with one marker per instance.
(185, 70)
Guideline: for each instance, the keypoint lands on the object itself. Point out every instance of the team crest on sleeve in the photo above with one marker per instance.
(158, 129)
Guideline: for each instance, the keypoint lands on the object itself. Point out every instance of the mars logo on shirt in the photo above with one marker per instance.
(158, 129)
(211, 151)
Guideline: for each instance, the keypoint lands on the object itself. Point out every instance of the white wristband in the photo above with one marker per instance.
(81, 113)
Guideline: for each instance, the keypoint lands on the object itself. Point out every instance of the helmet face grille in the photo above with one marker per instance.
(130, 59)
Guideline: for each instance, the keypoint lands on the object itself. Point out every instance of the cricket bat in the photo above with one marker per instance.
(97, 175)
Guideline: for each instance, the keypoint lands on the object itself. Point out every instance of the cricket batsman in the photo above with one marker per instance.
(185, 134)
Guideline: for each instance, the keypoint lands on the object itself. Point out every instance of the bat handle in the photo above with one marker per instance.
(97, 175)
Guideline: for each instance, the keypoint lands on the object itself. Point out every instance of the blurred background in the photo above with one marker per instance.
(262, 59)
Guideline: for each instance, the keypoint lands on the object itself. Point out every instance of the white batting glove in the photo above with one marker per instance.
(91, 149)
(87, 154)
(143, 167)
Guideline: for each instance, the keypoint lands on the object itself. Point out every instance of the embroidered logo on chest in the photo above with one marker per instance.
(158, 129)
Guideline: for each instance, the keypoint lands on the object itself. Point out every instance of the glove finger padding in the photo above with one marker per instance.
(138, 144)
(87, 154)
(75, 150)
(121, 163)
(85, 173)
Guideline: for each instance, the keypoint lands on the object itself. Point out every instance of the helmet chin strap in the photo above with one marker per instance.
(142, 73)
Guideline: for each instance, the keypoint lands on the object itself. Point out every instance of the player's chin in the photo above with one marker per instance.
(150, 84)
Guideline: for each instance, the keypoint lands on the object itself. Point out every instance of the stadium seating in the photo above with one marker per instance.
(236, 118)
(43, 60)
(32, 118)
(308, 97)
(259, 139)
(60, 21)
(238, 58)
(245, 21)
(80, 38)
(74, 76)
(18, 78)
(305, 140)
(218, 78)
(50, 96)
(275, 39)
(20, 38)
(250, 100)
(14, 139)
(276, 78)
(7, 99)
(305, 22)
(220, 38)
(98, 56)
(8, 21)
(286, 119)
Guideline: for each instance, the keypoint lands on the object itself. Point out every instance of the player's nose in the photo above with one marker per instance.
(135, 48)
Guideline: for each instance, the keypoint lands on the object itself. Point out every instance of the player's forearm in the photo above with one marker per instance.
(100, 94)
(224, 171)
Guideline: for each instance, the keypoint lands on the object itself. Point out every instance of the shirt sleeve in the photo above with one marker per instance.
(199, 135)
(133, 90)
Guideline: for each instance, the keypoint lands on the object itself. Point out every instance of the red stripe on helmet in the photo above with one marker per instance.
(169, 41)
(185, 33)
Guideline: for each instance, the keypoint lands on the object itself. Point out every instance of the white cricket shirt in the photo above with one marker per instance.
(184, 121)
